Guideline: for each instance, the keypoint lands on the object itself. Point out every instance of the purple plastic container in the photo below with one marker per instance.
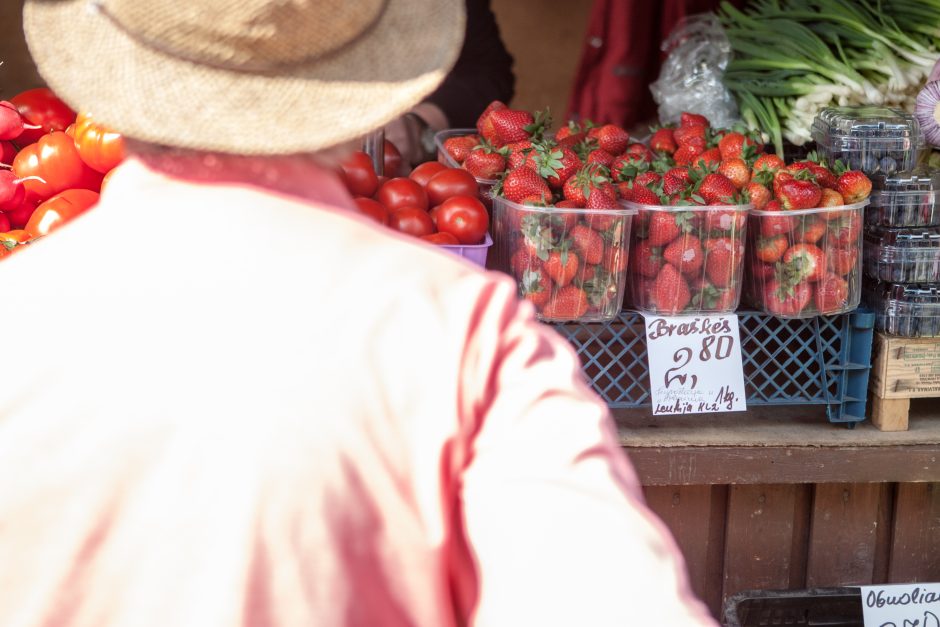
(475, 253)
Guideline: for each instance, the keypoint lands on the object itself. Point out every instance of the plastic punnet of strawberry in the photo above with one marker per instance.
(568, 261)
(687, 259)
(805, 262)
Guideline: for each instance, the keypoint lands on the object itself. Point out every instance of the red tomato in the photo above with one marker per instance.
(411, 220)
(107, 177)
(4, 223)
(441, 239)
(60, 209)
(465, 218)
(451, 182)
(391, 158)
(423, 173)
(433, 212)
(55, 163)
(359, 174)
(43, 108)
(97, 146)
(402, 192)
(374, 209)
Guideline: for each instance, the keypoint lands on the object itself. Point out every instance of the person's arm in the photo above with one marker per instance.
(553, 512)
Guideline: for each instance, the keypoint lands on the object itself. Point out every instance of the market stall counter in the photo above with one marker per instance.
(779, 498)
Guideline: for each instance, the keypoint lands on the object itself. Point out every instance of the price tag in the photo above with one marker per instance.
(695, 364)
(907, 605)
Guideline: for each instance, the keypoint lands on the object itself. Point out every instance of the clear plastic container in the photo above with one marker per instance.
(687, 260)
(910, 255)
(570, 263)
(905, 310)
(905, 199)
(484, 186)
(805, 263)
(868, 138)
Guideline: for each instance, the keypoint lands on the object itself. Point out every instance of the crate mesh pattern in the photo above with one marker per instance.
(810, 361)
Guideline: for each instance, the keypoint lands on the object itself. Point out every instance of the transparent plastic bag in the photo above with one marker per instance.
(690, 77)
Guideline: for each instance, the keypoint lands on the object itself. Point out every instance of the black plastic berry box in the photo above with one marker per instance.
(910, 255)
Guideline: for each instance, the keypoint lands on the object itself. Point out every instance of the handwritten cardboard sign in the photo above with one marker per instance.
(695, 364)
(906, 605)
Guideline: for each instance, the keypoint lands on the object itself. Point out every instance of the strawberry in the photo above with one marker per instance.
(625, 190)
(640, 151)
(771, 249)
(685, 155)
(600, 156)
(644, 195)
(523, 260)
(768, 163)
(571, 129)
(831, 198)
(841, 261)
(758, 194)
(832, 294)
(662, 228)
(556, 164)
(569, 303)
(799, 194)
(736, 171)
(685, 253)
(663, 141)
(692, 119)
(647, 179)
(824, 177)
(485, 124)
(600, 200)
(735, 145)
(771, 225)
(854, 186)
(579, 186)
(806, 260)
(723, 257)
(690, 135)
(676, 180)
(535, 287)
(647, 259)
(612, 138)
(562, 266)
(725, 220)
(485, 164)
(564, 221)
(708, 159)
(716, 189)
(522, 182)
(459, 148)
(844, 230)
(810, 229)
(670, 291)
(510, 124)
(588, 243)
(786, 300)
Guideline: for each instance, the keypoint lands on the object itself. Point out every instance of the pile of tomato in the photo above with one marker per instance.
(53, 164)
(434, 202)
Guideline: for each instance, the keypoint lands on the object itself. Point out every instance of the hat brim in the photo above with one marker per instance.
(151, 96)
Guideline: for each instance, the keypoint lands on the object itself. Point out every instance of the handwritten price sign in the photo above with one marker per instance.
(911, 605)
(695, 364)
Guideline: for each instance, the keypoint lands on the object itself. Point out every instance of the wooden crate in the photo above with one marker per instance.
(903, 368)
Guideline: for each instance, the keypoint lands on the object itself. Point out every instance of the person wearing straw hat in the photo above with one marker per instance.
(228, 399)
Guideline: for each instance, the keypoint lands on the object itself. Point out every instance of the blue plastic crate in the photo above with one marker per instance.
(812, 361)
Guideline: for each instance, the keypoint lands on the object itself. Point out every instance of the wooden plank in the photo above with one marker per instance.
(696, 517)
(701, 465)
(915, 550)
(843, 534)
(890, 414)
(759, 537)
(905, 367)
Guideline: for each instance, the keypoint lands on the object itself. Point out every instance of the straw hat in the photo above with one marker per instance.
(244, 76)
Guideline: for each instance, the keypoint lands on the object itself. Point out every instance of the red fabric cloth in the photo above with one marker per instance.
(622, 56)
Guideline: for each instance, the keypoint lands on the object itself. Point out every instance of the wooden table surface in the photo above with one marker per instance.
(781, 444)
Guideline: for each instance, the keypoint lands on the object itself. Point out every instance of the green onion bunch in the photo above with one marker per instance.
(792, 58)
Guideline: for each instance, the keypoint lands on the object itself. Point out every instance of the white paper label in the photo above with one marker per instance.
(906, 605)
(695, 364)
